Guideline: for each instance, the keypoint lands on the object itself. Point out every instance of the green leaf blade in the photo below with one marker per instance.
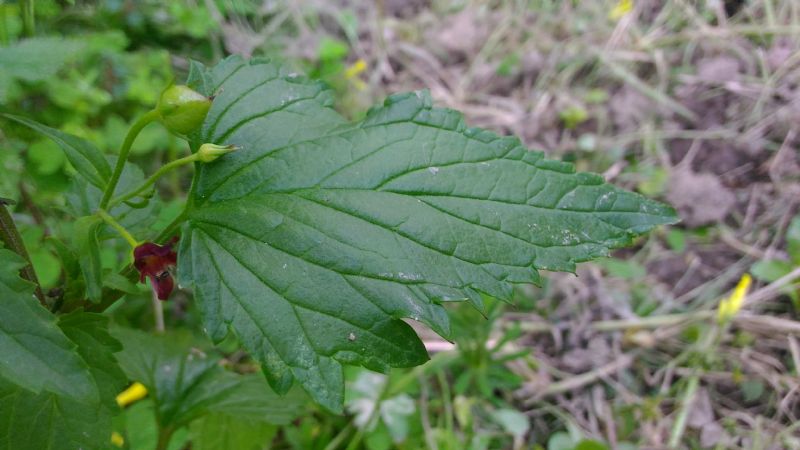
(82, 154)
(319, 236)
(88, 249)
(36, 355)
(58, 379)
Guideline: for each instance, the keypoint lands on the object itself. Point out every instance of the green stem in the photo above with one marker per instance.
(339, 438)
(164, 436)
(111, 295)
(683, 415)
(3, 27)
(13, 241)
(28, 20)
(137, 127)
(153, 178)
(120, 229)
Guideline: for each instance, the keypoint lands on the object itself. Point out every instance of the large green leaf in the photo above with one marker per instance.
(49, 421)
(55, 421)
(315, 239)
(34, 353)
(187, 384)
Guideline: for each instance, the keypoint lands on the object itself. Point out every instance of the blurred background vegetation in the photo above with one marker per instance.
(695, 103)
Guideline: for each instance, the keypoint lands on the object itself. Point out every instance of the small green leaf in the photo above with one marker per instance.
(589, 444)
(573, 116)
(331, 49)
(34, 353)
(319, 235)
(560, 441)
(752, 390)
(512, 421)
(82, 154)
(88, 249)
(676, 238)
(770, 270)
(394, 412)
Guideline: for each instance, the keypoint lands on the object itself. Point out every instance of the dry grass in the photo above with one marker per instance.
(684, 101)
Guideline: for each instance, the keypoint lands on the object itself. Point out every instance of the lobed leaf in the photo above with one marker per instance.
(50, 397)
(319, 236)
(34, 353)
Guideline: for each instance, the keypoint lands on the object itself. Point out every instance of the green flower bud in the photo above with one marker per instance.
(210, 152)
(181, 109)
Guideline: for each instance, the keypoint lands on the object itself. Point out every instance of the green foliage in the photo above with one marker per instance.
(772, 269)
(187, 383)
(224, 432)
(311, 243)
(58, 378)
(380, 214)
(32, 60)
(37, 354)
(84, 157)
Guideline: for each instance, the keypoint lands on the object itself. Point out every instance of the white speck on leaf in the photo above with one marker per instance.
(351, 337)
(433, 170)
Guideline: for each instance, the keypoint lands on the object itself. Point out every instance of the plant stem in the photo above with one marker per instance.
(137, 127)
(153, 178)
(3, 27)
(28, 20)
(164, 435)
(683, 414)
(339, 438)
(158, 313)
(13, 241)
(120, 229)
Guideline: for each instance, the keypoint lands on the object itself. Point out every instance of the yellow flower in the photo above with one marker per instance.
(135, 392)
(355, 69)
(729, 306)
(117, 440)
(352, 73)
(620, 9)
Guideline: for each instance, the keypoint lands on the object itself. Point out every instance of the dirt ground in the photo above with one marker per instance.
(697, 104)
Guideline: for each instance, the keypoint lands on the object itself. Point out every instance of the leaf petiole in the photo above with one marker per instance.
(10, 237)
(153, 178)
(136, 128)
(116, 225)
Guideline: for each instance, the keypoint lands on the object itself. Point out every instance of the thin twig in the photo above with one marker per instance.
(13, 241)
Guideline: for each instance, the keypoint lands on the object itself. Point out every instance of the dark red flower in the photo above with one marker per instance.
(156, 262)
